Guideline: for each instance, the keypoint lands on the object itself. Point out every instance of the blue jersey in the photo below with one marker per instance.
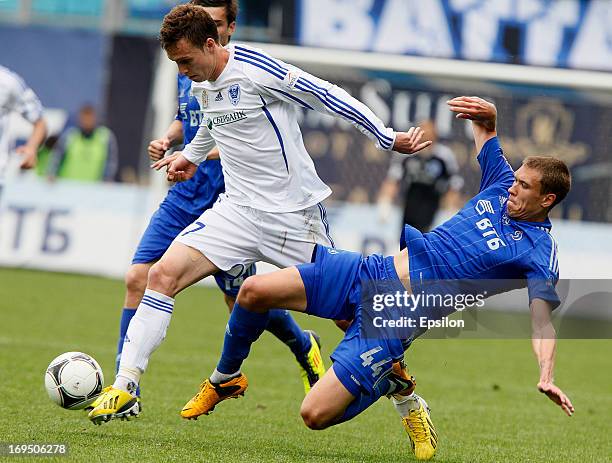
(200, 192)
(482, 242)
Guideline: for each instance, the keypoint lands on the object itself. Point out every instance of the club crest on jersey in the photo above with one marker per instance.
(484, 205)
(517, 235)
(234, 94)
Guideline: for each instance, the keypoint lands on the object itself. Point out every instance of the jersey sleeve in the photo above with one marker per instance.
(25, 100)
(198, 148)
(494, 165)
(543, 274)
(290, 84)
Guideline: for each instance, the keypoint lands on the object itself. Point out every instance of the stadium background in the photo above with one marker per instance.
(546, 65)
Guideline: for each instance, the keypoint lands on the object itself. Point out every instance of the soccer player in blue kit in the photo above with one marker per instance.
(501, 234)
(186, 201)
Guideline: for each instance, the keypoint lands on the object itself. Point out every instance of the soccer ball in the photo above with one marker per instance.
(73, 380)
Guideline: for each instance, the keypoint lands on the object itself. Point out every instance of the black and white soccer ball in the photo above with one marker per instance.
(73, 380)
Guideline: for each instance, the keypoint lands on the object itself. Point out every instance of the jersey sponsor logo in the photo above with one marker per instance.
(234, 94)
(226, 119)
(219, 97)
(494, 242)
(291, 79)
(484, 205)
(195, 117)
(183, 111)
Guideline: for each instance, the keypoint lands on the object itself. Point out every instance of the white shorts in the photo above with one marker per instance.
(231, 235)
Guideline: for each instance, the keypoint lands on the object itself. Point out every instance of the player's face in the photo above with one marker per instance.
(197, 63)
(525, 201)
(219, 15)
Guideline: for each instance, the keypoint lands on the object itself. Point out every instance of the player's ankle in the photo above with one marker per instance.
(127, 380)
(218, 377)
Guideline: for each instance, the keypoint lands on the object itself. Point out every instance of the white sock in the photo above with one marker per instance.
(403, 405)
(218, 377)
(146, 332)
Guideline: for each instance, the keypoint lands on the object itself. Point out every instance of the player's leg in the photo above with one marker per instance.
(304, 344)
(321, 288)
(180, 266)
(135, 285)
(248, 320)
(165, 224)
(220, 238)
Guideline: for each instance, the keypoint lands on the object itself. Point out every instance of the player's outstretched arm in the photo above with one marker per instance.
(482, 114)
(544, 345)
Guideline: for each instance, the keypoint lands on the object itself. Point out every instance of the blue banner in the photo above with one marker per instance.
(568, 33)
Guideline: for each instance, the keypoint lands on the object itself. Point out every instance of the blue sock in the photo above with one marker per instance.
(361, 402)
(243, 329)
(283, 326)
(126, 316)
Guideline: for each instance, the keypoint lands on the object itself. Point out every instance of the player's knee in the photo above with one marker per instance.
(161, 279)
(136, 279)
(252, 295)
(315, 417)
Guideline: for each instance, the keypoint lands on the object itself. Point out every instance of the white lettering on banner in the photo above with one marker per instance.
(338, 23)
(546, 33)
(406, 26)
(43, 226)
(543, 23)
(593, 46)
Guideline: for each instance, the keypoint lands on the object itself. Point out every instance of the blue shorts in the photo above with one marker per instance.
(333, 284)
(165, 224)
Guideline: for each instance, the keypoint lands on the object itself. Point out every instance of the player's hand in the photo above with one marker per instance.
(474, 109)
(157, 148)
(178, 168)
(410, 142)
(557, 396)
(28, 156)
(165, 161)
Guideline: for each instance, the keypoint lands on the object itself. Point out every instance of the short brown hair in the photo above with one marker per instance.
(556, 177)
(188, 22)
(231, 7)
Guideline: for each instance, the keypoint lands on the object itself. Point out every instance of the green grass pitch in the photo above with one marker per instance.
(482, 392)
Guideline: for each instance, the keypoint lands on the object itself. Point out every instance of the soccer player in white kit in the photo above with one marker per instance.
(271, 210)
(16, 96)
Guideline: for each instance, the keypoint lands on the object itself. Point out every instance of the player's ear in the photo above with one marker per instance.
(232, 27)
(548, 200)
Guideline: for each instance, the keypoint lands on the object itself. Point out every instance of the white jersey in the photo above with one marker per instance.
(251, 113)
(15, 96)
